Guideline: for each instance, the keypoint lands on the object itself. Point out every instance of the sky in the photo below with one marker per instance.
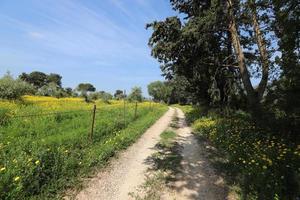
(103, 42)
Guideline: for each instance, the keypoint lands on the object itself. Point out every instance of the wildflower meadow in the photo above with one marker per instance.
(45, 146)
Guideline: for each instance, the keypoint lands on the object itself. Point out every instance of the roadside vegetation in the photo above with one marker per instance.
(45, 144)
(249, 155)
(237, 63)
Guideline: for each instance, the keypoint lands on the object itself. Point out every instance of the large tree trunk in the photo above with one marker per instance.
(263, 52)
(252, 96)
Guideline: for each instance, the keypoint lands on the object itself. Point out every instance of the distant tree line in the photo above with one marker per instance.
(42, 84)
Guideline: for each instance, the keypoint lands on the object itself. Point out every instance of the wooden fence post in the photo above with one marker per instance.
(93, 122)
(124, 107)
(135, 110)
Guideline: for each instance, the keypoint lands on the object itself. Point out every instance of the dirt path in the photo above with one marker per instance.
(127, 171)
(197, 179)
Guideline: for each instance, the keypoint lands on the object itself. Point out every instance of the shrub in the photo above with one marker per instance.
(13, 89)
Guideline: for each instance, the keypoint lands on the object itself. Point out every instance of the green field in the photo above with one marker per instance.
(46, 147)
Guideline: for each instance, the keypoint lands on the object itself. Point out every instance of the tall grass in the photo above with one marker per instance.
(42, 155)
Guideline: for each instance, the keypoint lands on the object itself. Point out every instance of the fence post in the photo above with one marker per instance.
(124, 107)
(135, 110)
(93, 122)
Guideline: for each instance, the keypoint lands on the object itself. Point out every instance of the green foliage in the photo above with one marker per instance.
(4, 116)
(172, 91)
(105, 96)
(55, 79)
(84, 88)
(283, 99)
(195, 48)
(51, 90)
(13, 89)
(40, 79)
(253, 156)
(42, 156)
(135, 95)
(159, 91)
(37, 79)
(167, 138)
(119, 94)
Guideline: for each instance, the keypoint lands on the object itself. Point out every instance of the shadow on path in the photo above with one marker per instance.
(191, 175)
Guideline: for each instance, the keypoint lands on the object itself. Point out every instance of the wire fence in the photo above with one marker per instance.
(117, 116)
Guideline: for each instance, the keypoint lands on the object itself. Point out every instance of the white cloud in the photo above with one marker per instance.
(36, 35)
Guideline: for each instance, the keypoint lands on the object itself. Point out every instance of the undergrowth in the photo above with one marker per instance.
(263, 165)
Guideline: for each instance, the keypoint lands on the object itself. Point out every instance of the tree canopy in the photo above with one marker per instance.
(135, 94)
(218, 46)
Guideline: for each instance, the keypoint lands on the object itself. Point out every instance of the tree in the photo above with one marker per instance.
(119, 94)
(14, 89)
(219, 44)
(54, 78)
(52, 89)
(180, 91)
(37, 79)
(84, 88)
(159, 91)
(69, 91)
(136, 94)
(284, 93)
(105, 96)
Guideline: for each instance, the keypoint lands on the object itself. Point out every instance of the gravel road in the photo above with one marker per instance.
(126, 172)
(198, 180)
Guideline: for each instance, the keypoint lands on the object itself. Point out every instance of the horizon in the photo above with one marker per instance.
(103, 43)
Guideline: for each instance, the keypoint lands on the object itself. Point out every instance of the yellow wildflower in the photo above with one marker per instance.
(16, 178)
(37, 162)
(2, 169)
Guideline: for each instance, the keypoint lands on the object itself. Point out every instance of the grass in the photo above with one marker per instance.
(167, 138)
(257, 163)
(43, 156)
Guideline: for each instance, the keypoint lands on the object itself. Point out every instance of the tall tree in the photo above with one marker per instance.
(200, 47)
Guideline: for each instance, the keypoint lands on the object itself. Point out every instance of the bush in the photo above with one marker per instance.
(51, 90)
(13, 89)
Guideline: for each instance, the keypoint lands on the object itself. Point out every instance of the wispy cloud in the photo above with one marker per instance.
(80, 35)
(36, 35)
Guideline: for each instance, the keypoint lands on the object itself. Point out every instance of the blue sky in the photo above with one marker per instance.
(103, 42)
